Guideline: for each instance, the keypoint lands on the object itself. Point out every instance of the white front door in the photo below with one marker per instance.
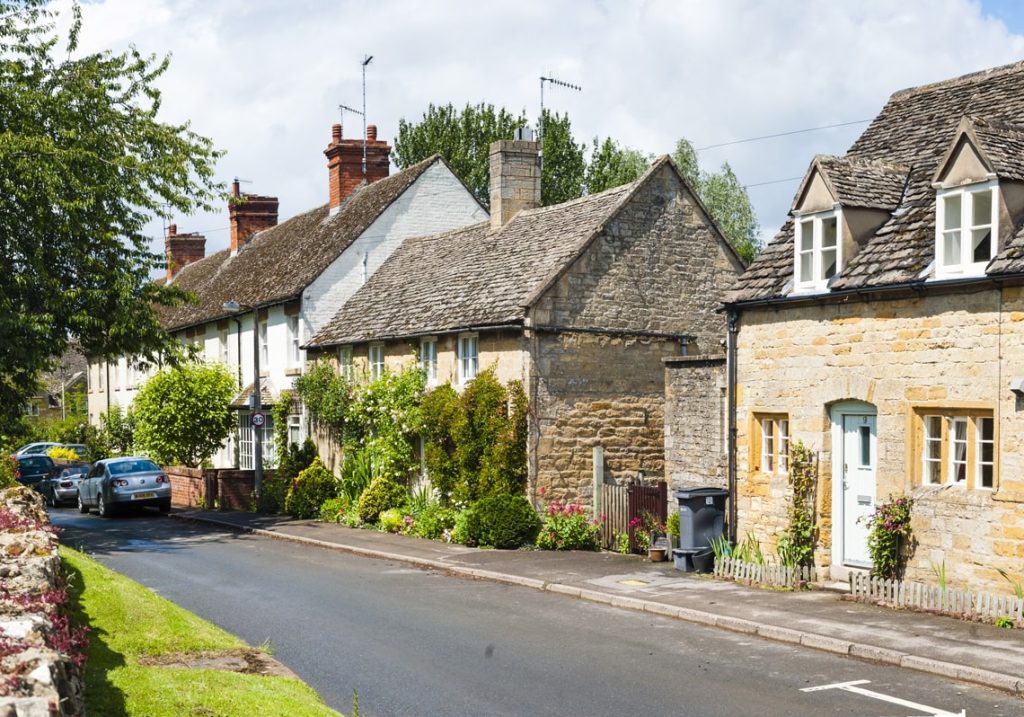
(860, 459)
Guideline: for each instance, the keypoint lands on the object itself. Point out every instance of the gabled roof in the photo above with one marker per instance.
(857, 182)
(474, 277)
(1001, 147)
(915, 129)
(279, 263)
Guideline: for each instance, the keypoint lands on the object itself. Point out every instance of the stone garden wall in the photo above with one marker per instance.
(41, 655)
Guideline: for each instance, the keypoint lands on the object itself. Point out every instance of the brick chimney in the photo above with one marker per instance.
(182, 250)
(345, 163)
(515, 178)
(247, 217)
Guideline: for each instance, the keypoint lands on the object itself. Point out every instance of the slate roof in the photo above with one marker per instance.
(279, 263)
(914, 130)
(472, 277)
(862, 183)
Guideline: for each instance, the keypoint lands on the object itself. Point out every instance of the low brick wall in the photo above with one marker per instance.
(226, 488)
(42, 655)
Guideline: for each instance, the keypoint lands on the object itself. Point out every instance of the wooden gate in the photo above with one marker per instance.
(622, 503)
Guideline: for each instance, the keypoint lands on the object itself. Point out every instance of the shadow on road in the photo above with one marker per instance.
(138, 531)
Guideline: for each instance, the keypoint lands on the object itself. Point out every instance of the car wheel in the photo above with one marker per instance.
(165, 506)
(82, 507)
(102, 508)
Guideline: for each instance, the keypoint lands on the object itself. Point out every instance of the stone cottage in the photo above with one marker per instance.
(883, 327)
(296, 273)
(580, 301)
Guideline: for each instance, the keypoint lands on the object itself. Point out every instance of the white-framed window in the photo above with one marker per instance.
(958, 448)
(101, 376)
(294, 340)
(345, 362)
(817, 250)
(773, 447)
(264, 347)
(295, 429)
(931, 456)
(376, 361)
(469, 357)
(247, 439)
(428, 358)
(966, 228)
(222, 345)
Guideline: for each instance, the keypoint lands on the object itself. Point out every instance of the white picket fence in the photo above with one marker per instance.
(961, 603)
(775, 576)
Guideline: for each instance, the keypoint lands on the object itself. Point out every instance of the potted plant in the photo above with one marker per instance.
(651, 536)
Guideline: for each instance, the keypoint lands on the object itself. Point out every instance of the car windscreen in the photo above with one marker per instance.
(38, 462)
(122, 467)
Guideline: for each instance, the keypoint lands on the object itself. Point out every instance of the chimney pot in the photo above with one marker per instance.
(172, 230)
(335, 133)
(235, 191)
(345, 164)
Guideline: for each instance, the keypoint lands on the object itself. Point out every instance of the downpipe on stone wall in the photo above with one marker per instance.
(731, 392)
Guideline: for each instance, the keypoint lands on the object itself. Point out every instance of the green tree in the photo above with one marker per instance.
(463, 137)
(85, 163)
(725, 198)
(182, 414)
(612, 166)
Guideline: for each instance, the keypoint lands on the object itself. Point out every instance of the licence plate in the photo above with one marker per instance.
(143, 496)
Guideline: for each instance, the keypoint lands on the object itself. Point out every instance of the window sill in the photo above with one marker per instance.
(292, 371)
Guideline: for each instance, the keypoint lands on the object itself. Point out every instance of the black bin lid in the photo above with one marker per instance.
(700, 493)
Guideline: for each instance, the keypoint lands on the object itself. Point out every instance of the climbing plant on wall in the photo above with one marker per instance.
(796, 545)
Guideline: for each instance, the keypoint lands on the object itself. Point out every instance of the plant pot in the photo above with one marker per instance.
(657, 555)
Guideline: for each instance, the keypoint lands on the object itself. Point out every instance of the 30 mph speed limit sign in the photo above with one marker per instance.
(258, 419)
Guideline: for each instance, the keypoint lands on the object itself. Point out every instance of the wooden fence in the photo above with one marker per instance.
(776, 576)
(961, 603)
(620, 504)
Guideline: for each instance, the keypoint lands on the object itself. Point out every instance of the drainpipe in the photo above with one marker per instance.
(731, 392)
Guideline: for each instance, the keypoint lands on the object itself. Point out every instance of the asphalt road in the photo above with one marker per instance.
(416, 642)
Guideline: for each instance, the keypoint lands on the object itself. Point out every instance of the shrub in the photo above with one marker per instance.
(441, 411)
(888, 529)
(294, 459)
(310, 490)
(356, 473)
(334, 509)
(382, 494)
(672, 524)
(433, 520)
(273, 494)
(8, 467)
(62, 453)
(392, 520)
(501, 521)
(350, 517)
(567, 527)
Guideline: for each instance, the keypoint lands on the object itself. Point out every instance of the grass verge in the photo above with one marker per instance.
(131, 624)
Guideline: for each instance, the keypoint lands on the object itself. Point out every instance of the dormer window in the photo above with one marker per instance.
(818, 250)
(966, 229)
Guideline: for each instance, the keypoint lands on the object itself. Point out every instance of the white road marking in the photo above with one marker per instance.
(853, 687)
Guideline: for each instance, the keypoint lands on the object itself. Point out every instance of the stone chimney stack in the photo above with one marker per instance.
(515, 178)
(248, 214)
(345, 163)
(182, 250)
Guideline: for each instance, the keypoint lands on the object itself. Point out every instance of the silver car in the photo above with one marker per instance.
(115, 483)
(62, 485)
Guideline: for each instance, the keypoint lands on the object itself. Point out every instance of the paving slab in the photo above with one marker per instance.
(819, 619)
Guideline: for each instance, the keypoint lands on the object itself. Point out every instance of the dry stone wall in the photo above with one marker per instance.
(902, 356)
(40, 654)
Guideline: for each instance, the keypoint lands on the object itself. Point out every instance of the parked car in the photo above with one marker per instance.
(61, 486)
(35, 449)
(32, 469)
(115, 483)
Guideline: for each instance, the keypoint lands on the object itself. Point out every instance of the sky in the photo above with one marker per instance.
(264, 79)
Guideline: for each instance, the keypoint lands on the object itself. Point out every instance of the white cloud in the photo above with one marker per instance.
(264, 78)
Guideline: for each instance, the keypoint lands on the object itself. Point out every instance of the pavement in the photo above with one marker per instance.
(818, 619)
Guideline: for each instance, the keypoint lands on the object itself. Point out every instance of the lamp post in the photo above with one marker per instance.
(257, 404)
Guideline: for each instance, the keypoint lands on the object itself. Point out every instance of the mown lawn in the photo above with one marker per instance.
(130, 623)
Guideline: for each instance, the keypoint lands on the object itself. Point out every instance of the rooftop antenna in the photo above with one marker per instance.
(345, 108)
(558, 83)
(366, 61)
